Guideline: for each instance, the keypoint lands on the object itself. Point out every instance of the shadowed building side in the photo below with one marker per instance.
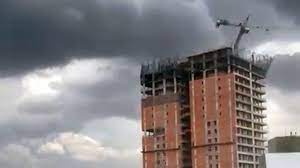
(165, 116)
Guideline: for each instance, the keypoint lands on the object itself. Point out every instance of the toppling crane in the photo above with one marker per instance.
(262, 61)
(244, 29)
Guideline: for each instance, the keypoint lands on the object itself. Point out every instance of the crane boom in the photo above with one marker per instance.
(243, 29)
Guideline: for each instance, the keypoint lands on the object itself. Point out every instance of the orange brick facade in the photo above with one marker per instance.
(203, 112)
(213, 121)
(163, 148)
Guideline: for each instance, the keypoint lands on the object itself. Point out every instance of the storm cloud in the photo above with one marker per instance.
(37, 34)
(290, 8)
(285, 71)
(66, 98)
(69, 71)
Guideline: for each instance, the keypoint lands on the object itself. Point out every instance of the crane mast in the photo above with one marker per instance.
(244, 28)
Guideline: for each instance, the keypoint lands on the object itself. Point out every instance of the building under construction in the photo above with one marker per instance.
(204, 111)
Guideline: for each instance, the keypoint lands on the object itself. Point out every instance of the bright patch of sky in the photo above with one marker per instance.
(278, 48)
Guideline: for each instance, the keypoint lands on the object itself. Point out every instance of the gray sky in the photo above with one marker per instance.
(69, 71)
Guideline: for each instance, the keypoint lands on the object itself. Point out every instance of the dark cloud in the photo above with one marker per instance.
(262, 14)
(112, 92)
(36, 34)
(276, 14)
(23, 127)
(284, 73)
(289, 8)
(109, 91)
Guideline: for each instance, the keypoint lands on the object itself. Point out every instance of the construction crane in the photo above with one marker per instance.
(244, 29)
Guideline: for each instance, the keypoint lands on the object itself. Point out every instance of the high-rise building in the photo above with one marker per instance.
(204, 111)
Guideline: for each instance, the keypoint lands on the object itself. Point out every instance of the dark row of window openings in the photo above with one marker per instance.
(167, 114)
(211, 123)
(244, 140)
(160, 138)
(220, 112)
(156, 132)
(242, 81)
(161, 162)
(161, 110)
(167, 122)
(242, 72)
(161, 107)
(244, 132)
(247, 91)
(245, 149)
(163, 146)
(213, 157)
(214, 165)
(246, 157)
(248, 110)
(212, 131)
(242, 89)
(219, 96)
(158, 146)
(245, 165)
(243, 106)
(219, 79)
(243, 123)
(161, 158)
(212, 148)
(212, 140)
(209, 132)
(243, 98)
(257, 158)
(202, 90)
(258, 143)
(213, 161)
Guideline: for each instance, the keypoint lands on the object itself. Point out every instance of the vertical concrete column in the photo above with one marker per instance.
(166, 130)
(175, 82)
(145, 163)
(153, 84)
(177, 115)
(217, 99)
(154, 117)
(216, 84)
(204, 95)
(144, 88)
(252, 110)
(164, 86)
(205, 104)
(144, 96)
(231, 89)
(194, 152)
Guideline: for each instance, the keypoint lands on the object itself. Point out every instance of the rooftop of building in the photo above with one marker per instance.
(285, 144)
(259, 62)
(286, 138)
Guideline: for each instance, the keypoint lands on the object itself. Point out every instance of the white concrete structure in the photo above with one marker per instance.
(281, 160)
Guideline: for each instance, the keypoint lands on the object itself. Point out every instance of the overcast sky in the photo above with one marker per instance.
(69, 71)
